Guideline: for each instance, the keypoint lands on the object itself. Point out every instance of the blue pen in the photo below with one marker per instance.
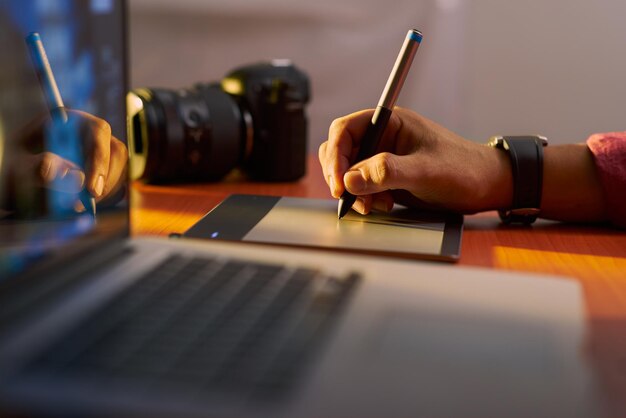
(53, 98)
(377, 125)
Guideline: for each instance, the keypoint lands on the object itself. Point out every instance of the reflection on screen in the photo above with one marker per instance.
(46, 162)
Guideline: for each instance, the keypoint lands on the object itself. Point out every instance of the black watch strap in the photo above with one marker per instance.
(526, 153)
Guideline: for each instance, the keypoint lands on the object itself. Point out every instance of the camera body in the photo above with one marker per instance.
(254, 119)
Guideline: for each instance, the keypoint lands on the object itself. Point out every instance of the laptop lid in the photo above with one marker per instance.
(44, 208)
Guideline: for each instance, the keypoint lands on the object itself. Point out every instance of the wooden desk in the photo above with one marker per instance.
(594, 256)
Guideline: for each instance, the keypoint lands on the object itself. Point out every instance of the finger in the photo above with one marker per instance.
(382, 202)
(363, 204)
(345, 133)
(117, 168)
(59, 174)
(47, 166)
(334, 185)
(408, 199)
(384, 171)
(344, 136)
(98, 160)
(321, 155)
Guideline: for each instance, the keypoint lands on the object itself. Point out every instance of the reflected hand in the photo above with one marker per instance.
(106, 159)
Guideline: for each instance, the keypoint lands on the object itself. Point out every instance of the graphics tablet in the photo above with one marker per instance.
(313, 223)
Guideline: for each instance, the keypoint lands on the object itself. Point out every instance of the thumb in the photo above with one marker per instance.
(381, 172)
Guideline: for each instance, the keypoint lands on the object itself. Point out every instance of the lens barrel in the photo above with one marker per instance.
(189, 135)
(254, 119)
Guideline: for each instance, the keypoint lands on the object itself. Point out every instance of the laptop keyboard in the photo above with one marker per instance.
(209, 325)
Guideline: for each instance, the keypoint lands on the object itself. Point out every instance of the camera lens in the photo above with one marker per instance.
(197, 134)
(254, 119)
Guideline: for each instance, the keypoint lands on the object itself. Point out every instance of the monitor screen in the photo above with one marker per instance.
(63, 152)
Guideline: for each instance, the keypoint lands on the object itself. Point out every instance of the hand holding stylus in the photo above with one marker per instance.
(380, 118)
(105, 156)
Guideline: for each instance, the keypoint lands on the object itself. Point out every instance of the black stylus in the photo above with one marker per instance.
(53, 99)
(377, 125)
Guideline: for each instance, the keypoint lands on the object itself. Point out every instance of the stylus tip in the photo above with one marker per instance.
(342, 208)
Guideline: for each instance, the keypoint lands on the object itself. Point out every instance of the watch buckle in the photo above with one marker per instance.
(524, 212)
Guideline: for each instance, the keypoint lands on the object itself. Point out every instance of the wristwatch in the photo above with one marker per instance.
(526, 153)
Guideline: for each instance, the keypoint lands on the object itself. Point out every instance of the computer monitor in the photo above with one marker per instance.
(85, 43)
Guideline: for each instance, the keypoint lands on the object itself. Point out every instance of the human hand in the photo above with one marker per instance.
(105, 159)
(419, 163)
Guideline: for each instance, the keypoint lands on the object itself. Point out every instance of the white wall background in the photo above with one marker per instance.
(555, 67)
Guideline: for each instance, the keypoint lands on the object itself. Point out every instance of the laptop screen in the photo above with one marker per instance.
(60, 165)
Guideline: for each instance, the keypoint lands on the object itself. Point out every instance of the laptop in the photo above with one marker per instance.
(93, 322)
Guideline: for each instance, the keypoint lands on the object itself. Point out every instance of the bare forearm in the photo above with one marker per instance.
(571, 187)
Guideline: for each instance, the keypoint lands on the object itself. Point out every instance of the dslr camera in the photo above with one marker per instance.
(254, 119)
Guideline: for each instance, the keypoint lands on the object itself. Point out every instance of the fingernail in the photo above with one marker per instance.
(354, 181)
(99, 186)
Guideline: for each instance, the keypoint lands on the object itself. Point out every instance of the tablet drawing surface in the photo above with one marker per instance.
(313, 223)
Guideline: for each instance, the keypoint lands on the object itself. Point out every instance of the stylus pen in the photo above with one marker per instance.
(377, 125)
(53, 98)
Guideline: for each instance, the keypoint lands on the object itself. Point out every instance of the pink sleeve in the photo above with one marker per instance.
(609, 153)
